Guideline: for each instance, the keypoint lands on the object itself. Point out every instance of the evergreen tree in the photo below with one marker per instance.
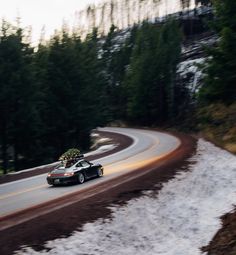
(151, 74)
(25, 114)
(51, 99)
(221, 67)
(140, 75)
(169, 51)
(18, 98)
(92, 110)
(40, 62)
(115, 59)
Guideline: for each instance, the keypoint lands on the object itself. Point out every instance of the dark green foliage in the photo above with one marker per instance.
(151, 74)
(18, 96)
(220, 82)
(115, 61)
(72, 99)
(51, 99)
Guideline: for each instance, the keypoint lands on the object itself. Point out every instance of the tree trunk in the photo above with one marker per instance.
(4, 149)
(16, 158)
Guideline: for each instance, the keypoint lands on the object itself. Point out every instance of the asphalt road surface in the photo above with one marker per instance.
(147, 147)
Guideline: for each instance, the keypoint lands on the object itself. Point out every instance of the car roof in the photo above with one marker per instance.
(80, 161)
(72, 166)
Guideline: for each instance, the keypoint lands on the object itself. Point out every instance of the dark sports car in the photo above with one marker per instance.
(79, 172)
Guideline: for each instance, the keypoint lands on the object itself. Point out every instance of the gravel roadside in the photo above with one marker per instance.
(224, 242)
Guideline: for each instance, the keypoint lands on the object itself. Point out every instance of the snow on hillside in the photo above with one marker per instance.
(191, 73)
(179, 220)
(193, 57)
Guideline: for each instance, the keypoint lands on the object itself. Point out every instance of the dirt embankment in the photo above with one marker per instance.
(64, 221)
(224, 242)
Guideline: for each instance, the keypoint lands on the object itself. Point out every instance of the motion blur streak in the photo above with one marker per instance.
(21, 192)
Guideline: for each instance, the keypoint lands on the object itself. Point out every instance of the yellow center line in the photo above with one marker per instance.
(21, 192)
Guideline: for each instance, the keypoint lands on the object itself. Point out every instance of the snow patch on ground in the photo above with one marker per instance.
(102, 149)
(179, 220)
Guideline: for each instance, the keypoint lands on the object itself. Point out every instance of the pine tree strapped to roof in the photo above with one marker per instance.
(71, 154)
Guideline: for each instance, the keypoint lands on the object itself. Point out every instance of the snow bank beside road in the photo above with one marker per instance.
(101, 149)
(179, 220)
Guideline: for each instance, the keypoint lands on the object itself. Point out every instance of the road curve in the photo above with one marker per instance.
(148, 146)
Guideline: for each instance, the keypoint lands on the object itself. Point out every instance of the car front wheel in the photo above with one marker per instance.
(99, 172)
(80, 178)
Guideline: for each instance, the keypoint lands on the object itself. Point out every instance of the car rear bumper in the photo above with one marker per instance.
(61, 180)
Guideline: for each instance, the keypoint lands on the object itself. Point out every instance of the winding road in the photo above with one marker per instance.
(147, 147)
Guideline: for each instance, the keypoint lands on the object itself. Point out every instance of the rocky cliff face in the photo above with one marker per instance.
(189, 72)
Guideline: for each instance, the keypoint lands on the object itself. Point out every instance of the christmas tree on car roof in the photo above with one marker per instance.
(71, 154)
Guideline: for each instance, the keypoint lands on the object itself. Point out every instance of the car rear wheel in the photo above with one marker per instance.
(80, 178)
(99, 172)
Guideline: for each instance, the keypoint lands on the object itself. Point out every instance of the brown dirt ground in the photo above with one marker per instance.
(224, 242)
(63, 222)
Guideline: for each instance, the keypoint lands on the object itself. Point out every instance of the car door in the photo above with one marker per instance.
(90, 171)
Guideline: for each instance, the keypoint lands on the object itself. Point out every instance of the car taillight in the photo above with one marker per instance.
(68, 174)
(49, 174)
